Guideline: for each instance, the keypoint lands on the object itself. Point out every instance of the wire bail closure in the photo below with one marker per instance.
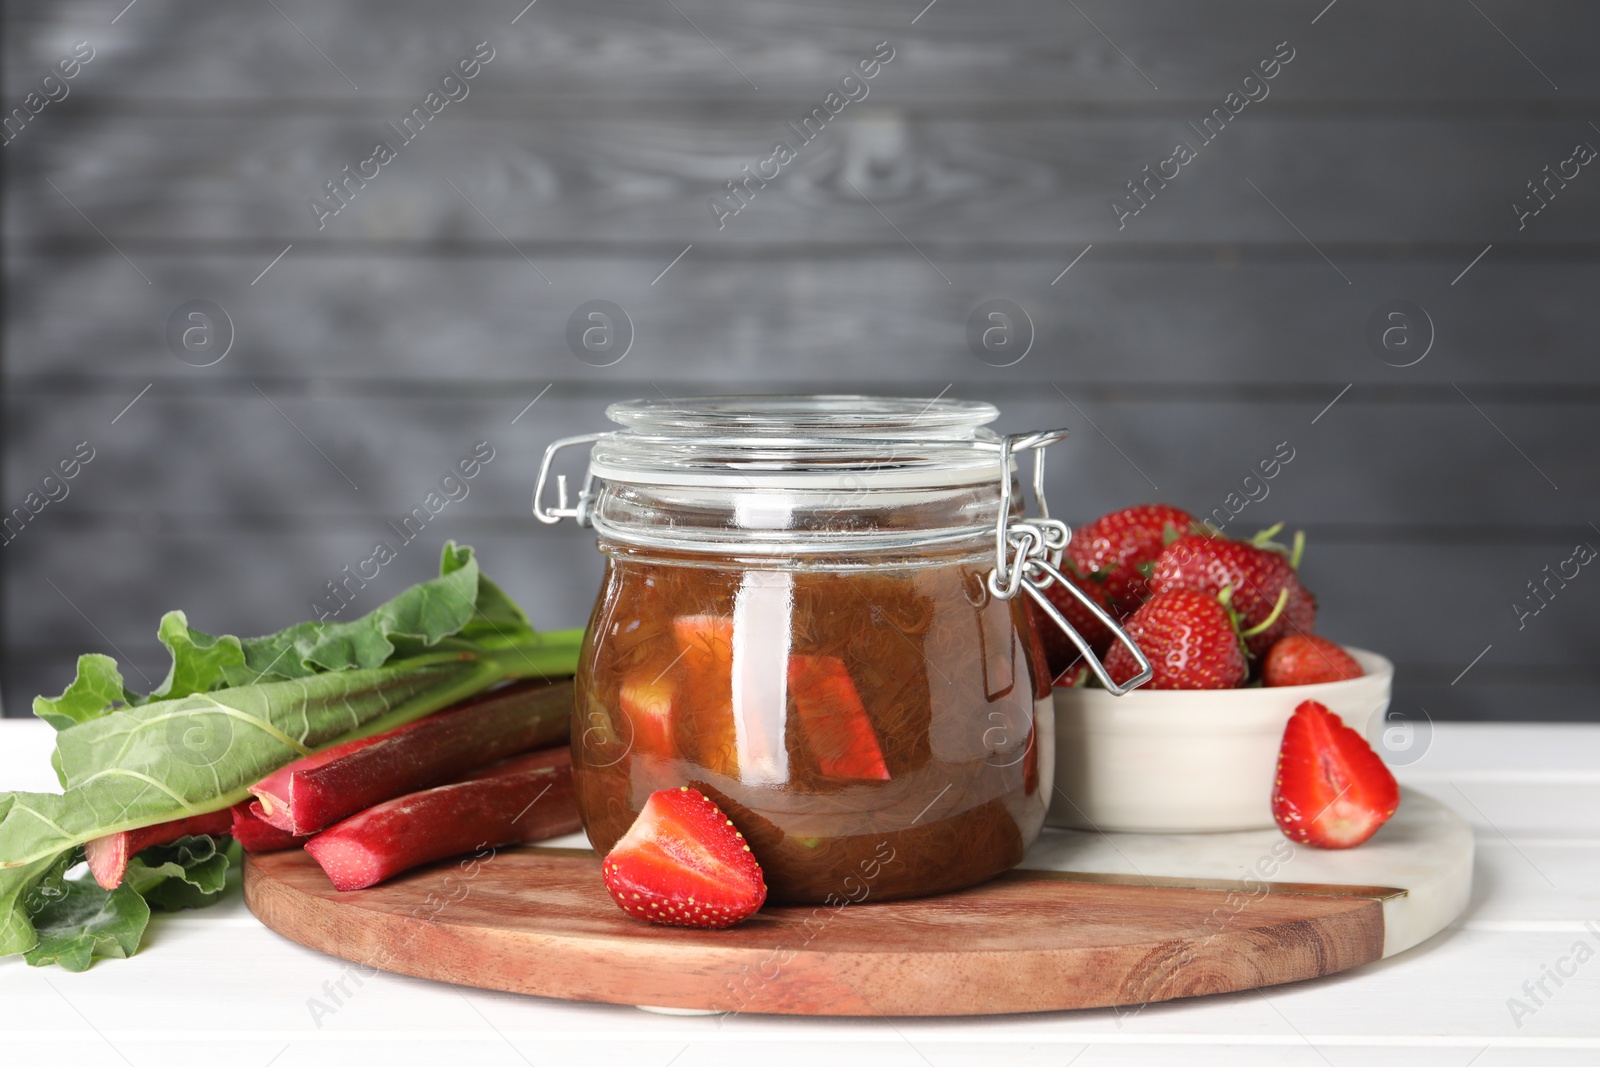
(580, 511)
(1027, 558)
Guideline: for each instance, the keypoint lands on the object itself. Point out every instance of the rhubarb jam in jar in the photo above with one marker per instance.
(809, 614)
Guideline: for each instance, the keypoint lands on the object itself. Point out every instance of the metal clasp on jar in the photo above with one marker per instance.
(1028, 558)
(579, 511)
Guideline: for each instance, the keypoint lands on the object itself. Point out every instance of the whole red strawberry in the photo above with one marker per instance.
(1331, 790)
(1306, 659)
(682, 863)
(1258, 576)
(1114, 550)
(1059, 651)
(1190, 640)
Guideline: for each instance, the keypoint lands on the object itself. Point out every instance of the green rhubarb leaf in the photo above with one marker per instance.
(140, 766)
(229, 713)
(200, 662)
(494, 613)
(182, 755)
(16, 906)
(420, 617)
(75, 921)
(191, 872)
(78, 922)
(92, 693)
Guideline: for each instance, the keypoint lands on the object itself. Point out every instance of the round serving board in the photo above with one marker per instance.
(1091, 920)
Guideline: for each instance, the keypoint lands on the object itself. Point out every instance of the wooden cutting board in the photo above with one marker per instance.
(538, 920)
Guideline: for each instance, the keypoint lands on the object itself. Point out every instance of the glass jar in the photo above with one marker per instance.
(809, 614)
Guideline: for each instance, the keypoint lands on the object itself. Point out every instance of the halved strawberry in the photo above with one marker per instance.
(1332, 790)
(682, 863)
(646, 698)
(1306, 659)
(833, 720)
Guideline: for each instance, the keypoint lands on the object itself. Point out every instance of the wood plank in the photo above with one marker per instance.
(1162, 326)
(534, 921)
(1010, 50)
(592, 180)
(243, 453)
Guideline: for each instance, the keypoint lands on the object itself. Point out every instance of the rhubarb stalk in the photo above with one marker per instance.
(256, 834)
(525, 799)
(108, 856)
(313, 793)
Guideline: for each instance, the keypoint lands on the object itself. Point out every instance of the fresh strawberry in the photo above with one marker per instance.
(1332, 790)
(833, 720)
(1259, 577)
(1191, 642)
(1059, 651)
(1115, 550)
(647, 702)
(682, 863)
(1306, 659)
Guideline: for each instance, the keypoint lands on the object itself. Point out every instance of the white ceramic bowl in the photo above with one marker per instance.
(1190, 761)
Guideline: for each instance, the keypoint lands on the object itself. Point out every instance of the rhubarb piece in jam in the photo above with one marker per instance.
(647, 703)
(833, 722)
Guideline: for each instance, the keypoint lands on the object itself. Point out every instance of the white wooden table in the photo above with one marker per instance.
(214, 986)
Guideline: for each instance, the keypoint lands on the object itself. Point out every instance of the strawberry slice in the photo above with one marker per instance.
(833, 719)
(1332, 790)
(682, 863)
(1306, 659)
(647, 698)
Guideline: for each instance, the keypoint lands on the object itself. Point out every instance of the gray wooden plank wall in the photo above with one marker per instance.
(1181, 348)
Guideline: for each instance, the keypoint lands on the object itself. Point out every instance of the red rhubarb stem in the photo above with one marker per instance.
(273, 792)
(108, 856)
(525, 799)
(255, 834)
(319, 790)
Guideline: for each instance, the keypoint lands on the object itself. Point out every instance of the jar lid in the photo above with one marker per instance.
(799, 442)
